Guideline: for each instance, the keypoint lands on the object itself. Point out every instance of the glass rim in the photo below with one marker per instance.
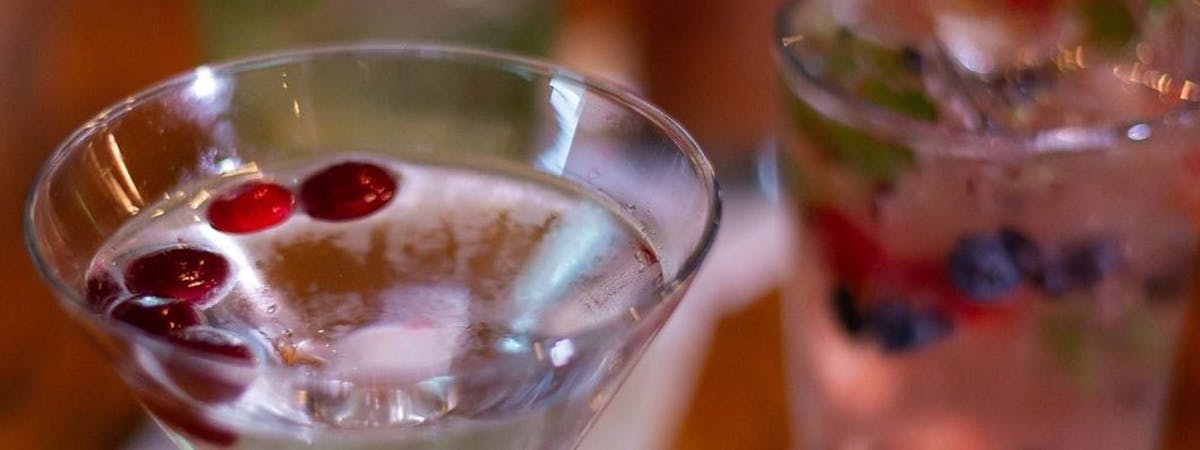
(669, 291)
(964, 143)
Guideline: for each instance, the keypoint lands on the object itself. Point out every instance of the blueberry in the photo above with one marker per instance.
(1023, 252)
(1087, 263)
(1044, 274)
(982, 268)
(900, 327)
(848, 312)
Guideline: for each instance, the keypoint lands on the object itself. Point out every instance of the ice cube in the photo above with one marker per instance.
(426, 304)
(566, 255)
(399, 350)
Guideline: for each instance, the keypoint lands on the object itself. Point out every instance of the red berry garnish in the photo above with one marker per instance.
(214, 342)
(182, 273)
(206, 381)
(851, 250)
(347, 191)
(251, 207)
(102, 290)
(157, 316)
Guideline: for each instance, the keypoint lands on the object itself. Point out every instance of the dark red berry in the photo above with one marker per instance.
(102, 290)
(157, 316)
(213, 341)
(182, 273)
(208, 381)
(347, 191)
(251, 207)
(851, 250)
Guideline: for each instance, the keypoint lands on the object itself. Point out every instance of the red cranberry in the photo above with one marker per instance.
(347, 191)
(181, 273)
(251, 207)
(157, 316)
(209, 381)
(214, 342)
(102, 290)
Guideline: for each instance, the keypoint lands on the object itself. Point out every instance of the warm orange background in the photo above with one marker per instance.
(60, 62)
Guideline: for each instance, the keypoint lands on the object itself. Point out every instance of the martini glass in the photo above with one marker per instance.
(1000, 203)
(523, 234)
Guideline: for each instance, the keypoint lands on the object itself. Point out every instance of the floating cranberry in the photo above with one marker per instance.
(102, 290)
(157, 316)
(182, 273)
(214, 342)
(210, 381)
(251, 207)
(347, 191)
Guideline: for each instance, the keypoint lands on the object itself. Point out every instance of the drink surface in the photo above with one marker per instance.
(477, 304)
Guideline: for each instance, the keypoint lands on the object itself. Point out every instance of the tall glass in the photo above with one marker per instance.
(999, 211)
(525, 379)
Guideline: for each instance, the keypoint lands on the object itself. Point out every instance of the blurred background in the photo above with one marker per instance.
(713, 380)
